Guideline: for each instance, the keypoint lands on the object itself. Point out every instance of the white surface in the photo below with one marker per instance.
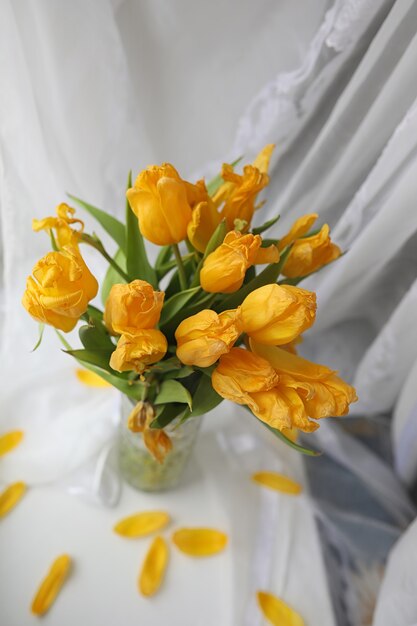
(273, 543)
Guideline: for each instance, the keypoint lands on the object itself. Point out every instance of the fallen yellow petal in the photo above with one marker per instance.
(91, 379)
(277, 612)
(199, 541)
(142, 524)
(10, 497)
(279, 482)
(51, 585)
(153, 568)
(10, 440)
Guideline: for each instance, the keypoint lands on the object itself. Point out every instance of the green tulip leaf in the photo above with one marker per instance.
(205, 398)
(113, 277)
(175, 303)
(132, 389)
(258, 230)
(94, 313)
(173, 391)
(163, 257)
(166, 413)
(38, 343)
(137, 263)
(96, 338)
(182, 372)
(288, 442)
(111, 225)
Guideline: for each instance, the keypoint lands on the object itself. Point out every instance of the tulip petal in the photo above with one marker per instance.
(297, 230)
(263, 158)
(51, 585)
(91, 379)
(199, 541)
(10, 440)
(10, 497)
(154, 567)
(142, 524)
(278, 482)
(267, 255)
(278, 612)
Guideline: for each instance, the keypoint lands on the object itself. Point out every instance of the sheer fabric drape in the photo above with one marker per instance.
(97, 88)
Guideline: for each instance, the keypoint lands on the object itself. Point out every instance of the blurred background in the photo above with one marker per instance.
(92, 90)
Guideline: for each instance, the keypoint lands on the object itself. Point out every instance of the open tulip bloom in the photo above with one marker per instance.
(218, 316)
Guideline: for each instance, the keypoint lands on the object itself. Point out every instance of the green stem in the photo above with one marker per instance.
(181, 269)
(96, 243)
(114, 265)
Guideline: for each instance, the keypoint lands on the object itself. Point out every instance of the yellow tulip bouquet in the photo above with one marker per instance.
(202, 323)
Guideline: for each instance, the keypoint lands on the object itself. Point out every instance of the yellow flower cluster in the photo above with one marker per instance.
(266, 374)
(133, 311)
(169, 208)
(276, 314)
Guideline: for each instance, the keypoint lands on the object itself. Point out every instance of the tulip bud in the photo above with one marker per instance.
(204, 337)
(162, 202)
(132, 307)
(224, 269)
(137, 351)
(309, 254)
(276, 315)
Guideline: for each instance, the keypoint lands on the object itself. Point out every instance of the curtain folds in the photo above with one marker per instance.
(90, 90)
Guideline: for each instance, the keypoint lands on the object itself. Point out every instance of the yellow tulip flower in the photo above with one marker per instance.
(224, 269)
(204, 221)
(241, 373)
(136, 351)
(323, 393)
(132, 307)
(280, 388)
(239, 198)
(65, 235)
(276, 315)
(204, 337)
(237, 195)
(60, 289)
(310, 254)
(162, 202)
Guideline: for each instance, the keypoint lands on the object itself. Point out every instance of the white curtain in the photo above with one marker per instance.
(90, 90)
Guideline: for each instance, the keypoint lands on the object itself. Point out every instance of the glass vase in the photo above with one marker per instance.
(137, 465)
